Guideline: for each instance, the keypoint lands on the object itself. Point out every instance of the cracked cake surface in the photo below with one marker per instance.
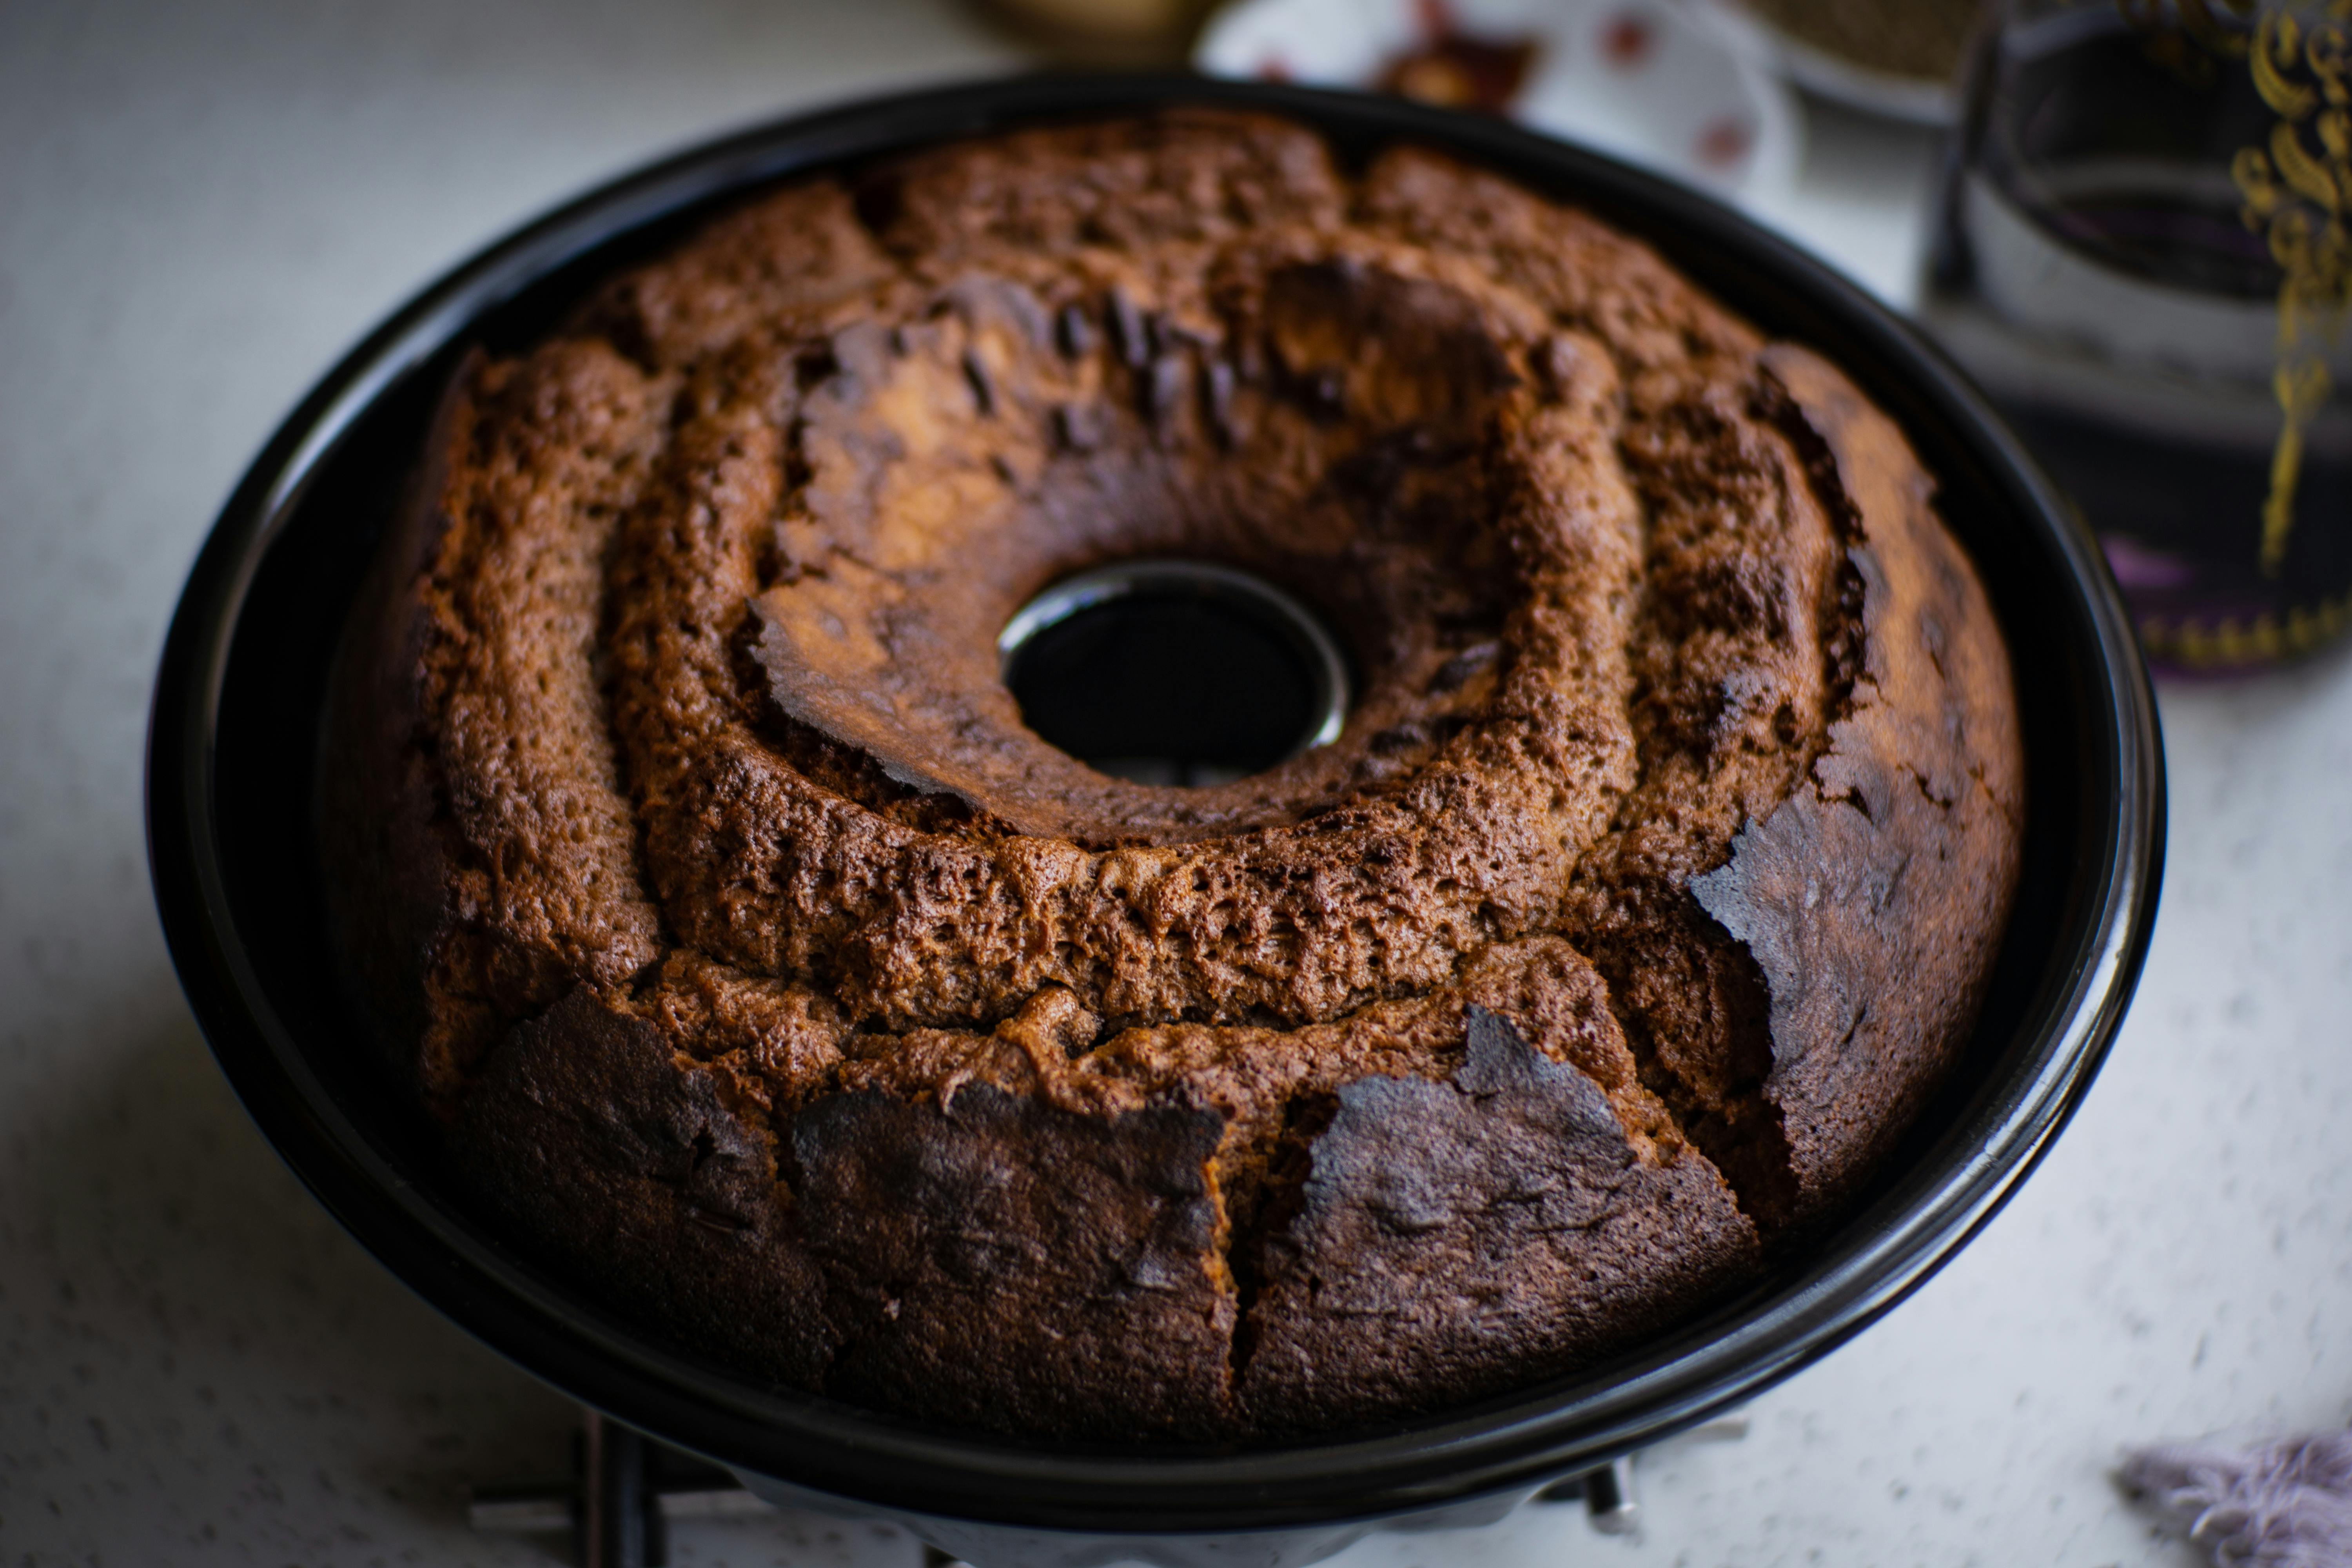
(768, 977)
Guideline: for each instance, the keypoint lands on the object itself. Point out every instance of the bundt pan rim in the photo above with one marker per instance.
(237, 702)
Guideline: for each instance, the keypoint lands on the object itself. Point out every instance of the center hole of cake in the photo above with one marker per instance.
(1174, 672)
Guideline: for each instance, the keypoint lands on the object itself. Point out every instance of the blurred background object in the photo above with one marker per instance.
(1652, 84)
(1917, 39)
(1101, 34)
(1696, 91)
(2141, 254)
(1899, 58)
(1453, 68)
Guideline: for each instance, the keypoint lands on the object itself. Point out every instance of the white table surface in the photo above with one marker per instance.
(201, 206)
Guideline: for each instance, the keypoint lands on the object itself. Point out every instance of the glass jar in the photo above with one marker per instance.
(2142, 255)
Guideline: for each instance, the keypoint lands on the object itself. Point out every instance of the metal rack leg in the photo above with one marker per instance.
(620, 1520)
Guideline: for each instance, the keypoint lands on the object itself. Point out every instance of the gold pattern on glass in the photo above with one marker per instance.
(2296, 193)
(2237, 641)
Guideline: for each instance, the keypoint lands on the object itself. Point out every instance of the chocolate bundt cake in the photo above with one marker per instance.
(767, 976)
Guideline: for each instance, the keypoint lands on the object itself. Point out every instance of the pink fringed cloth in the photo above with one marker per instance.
(2282, 1505)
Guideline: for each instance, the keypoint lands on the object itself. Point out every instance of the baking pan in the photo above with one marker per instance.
(231, 762)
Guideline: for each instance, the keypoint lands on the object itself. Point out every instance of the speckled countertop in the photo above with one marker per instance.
(201, 206)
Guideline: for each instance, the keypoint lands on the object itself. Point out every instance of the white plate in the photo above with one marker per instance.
(1634, 79)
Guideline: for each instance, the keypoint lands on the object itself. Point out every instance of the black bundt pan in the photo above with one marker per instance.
(230, 766)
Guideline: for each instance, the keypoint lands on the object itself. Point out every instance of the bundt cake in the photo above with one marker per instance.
(765, 975)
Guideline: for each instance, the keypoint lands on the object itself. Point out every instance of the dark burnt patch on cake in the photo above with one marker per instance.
(918, 1213)
(1465, 1236)
(585, 1126)
(777, 982)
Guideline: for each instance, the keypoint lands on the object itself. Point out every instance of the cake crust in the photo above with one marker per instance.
(767, 976)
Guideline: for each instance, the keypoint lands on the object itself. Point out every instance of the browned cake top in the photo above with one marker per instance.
(686, 705)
